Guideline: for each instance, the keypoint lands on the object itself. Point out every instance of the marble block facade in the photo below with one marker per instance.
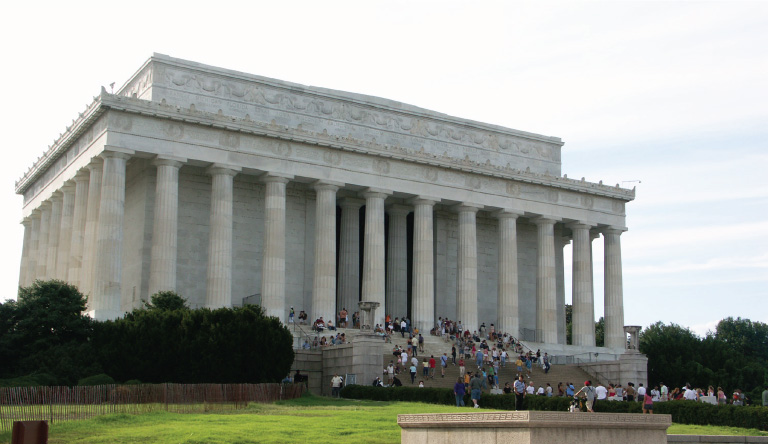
(222, 185)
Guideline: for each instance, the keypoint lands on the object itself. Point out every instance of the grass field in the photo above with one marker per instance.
(306, 420)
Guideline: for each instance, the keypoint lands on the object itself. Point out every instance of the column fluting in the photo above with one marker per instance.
(219, 273)
(397, 262)
(349, 255)
(508, 291)
(614, 293)
(324, 284)
(65, 236)
(108, 268)
(25, 247)
(42, 249)
(33, 248)
(273, 261)
(373, 252)
(583, 299)
(423, 292)
(466, 296)
(78, 229)
(54, 233)
(95, 174)
(546, 282)
(162, 273)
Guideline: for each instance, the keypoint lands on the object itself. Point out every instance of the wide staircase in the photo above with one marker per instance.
(436, 346)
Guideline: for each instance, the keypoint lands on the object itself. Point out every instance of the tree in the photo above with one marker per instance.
(674, 354)
(166, 300)
(45, 331)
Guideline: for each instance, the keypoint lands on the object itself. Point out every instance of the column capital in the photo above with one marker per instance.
(398, 210)
(222, 169)
(169, 161)
(580, 225)
(57, 196)
(82, 176)
(506, 213)
(34, 214)
(276, 178)
(613, 230)
(320, 185)
(45, 205)
(351, 202)
(466, 207)
(375, 192)
(423, 200)
(117, 153)
(68, 187)
(593, 235)
(545, 220)
(96, 164)
(27, 221)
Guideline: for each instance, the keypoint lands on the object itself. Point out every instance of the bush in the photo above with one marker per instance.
(683, 412)
(100, 379)
(132, 382)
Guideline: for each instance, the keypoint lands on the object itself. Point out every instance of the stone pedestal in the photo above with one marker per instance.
(533, 427)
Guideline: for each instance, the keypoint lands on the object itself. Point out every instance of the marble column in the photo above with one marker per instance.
(42, 249)
(26, 246)
(508, 297)
(324, 284)
(423, 292)
(65, 236)
(165, 228)
(546, 282)
(397, 263)
(108, 267)
(78, 229)
(95, 174)
(54, 232)
(31, 275)
(373, 251)
(583, 299)
(219, 273)
(466, 270)
(349, 255)
(273, 262)
(614, 293)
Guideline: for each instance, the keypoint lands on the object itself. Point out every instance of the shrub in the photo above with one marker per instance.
(100, 379)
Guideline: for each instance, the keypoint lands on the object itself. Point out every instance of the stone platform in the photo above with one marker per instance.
(528, 427)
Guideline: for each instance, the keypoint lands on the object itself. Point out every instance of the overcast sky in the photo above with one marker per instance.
(672, 94)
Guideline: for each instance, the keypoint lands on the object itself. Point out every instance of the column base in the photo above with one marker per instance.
(104, 315)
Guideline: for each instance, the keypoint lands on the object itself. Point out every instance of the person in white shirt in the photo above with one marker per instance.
(664, 392)
(601, 392)
(690, 394)
(530, 388)
(641, 393)
(656, 394)
(540, 391)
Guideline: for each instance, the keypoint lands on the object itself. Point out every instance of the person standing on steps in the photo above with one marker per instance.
(459, 391)
(476, 385)
(519, 393)
(443, 365)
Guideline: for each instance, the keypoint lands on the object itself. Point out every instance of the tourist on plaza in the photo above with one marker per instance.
(507, 388)
(336, 383)
(601, 392)
(425, 368)
(290, 316)
(302, 317)
(560, 389)
(459, 391)
(656, 394)
(569, 389)
(343, 318)
(690, 394)
(548, 390)
(721, 398)
(530, 389)
(520, 393)
(648, 404)
(421, 343)
(461, 367)
(413, 373)
(476, 385)
(432, 366)
(765, 397)
(630, 392)
(453, 354)
(588, 392)
(421, 384)
(641, 392)
(664, 392)
(396, 382)
(443, 365)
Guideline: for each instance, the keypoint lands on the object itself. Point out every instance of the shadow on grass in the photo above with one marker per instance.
(310, 400)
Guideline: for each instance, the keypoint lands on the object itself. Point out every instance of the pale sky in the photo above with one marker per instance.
(672, 94)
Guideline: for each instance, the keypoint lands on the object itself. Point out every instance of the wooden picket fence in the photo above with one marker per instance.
(69, 403)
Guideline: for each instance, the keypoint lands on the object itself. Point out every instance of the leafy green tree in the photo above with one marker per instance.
(600, 332)
(674, 354)
(166, 300)
(45, 331)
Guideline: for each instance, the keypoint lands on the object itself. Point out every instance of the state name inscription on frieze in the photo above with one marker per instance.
(342, 117)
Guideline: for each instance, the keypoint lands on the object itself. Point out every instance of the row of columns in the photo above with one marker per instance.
(78, 235)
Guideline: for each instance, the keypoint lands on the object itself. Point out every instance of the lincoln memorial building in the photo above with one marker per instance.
(223, 186)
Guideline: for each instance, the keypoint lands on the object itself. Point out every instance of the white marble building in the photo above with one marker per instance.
(221, 185)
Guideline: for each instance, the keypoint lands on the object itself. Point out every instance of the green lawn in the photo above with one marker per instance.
(306, 420)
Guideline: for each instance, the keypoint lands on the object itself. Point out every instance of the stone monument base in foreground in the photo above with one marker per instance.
(534, 427)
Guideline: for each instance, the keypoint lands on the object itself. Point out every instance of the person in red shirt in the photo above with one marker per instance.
(432, 365)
